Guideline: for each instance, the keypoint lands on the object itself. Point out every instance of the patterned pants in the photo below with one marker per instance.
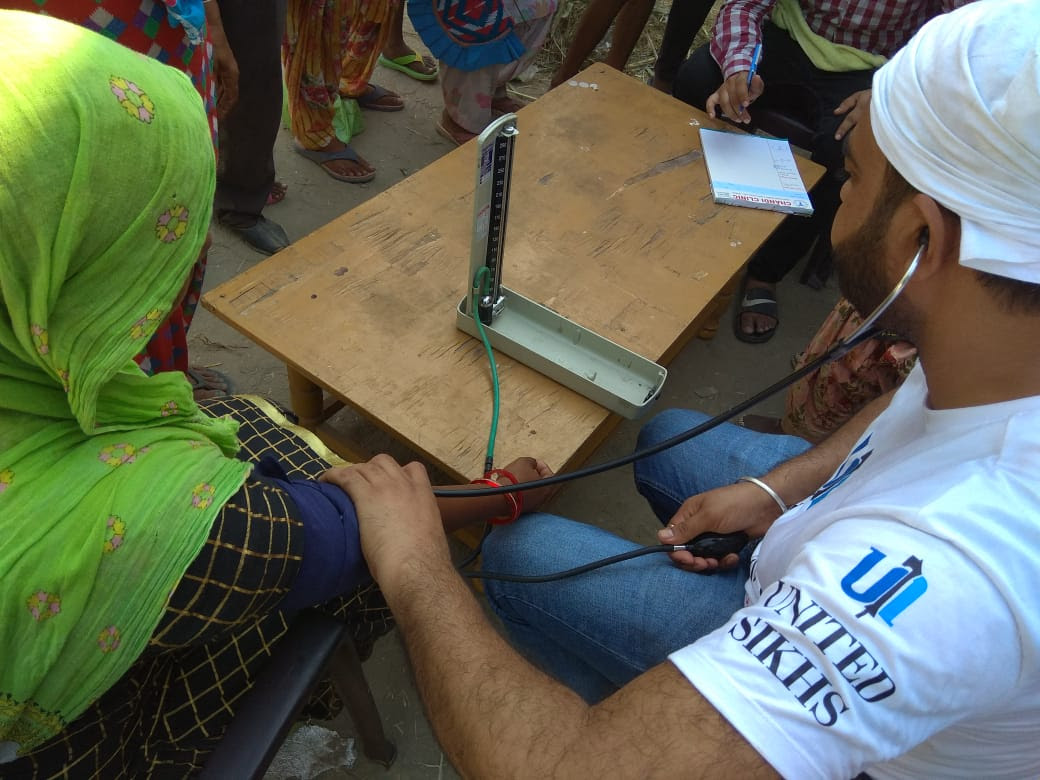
(469, 94)
(330, 49)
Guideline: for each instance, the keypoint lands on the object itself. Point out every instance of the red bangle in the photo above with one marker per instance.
(496, 473)
(518, 497)
(515, 503)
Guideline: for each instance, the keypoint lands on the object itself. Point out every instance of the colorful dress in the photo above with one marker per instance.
(481, 47)
(330, 50)
(820, 403)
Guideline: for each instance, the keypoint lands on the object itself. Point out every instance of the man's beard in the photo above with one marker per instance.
(862, 279)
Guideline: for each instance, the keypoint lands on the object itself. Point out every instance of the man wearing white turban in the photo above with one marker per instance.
(889, 622)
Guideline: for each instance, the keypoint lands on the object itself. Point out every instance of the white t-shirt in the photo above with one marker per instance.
(892, 620)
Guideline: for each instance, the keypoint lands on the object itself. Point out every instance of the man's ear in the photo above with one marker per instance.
(938, 229)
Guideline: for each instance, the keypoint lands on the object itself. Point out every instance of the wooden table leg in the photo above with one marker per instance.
(306, 398)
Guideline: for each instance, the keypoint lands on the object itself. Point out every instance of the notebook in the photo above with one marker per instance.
(749, 170)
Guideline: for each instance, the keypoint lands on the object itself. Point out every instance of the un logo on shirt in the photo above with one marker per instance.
(892, 592)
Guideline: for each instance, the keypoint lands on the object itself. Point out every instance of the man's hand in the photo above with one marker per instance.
(733, 97)
(854, 107)
(725, 510)
(396, 511)
(225, 67)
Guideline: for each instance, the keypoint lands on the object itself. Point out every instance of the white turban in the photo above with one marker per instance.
(957, 113)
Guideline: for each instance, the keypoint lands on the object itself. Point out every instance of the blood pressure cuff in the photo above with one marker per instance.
(332, 562)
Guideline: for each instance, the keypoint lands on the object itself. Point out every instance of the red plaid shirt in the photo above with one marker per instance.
(875, 26)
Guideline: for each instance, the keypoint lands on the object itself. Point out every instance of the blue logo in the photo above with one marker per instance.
(855, 459)
(890, 593)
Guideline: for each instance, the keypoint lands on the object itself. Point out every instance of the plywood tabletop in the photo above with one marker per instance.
(611, 223)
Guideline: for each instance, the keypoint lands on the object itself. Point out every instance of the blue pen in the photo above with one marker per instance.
(756, 55)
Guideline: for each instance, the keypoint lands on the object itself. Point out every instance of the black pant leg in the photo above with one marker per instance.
(789, 243)
(697, 78)
(685, 19)
(795, 235)
(254, 29)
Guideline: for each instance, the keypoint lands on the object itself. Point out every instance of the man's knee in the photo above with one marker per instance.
(697, 78)
(666, 425)
(531, 544)
(538, 543)
(508, 550)
(506, 546)
(661, 478)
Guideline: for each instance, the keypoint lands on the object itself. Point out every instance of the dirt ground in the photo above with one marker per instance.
(707, 375)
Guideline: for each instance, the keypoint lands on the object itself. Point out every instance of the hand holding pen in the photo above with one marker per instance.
(738, 92)
(755, 57)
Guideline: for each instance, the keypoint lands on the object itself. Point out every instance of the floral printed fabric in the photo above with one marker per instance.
(109, 479)
(330, 48)
(821, 402)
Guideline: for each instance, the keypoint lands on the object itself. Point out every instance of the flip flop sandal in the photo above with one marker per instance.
(347, 153)
(404, 62)
(756, 300)
(370, 99)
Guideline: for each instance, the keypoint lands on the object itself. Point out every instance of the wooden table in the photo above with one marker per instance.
(611, 224)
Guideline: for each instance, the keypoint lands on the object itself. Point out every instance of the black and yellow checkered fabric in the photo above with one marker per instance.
(171, 708)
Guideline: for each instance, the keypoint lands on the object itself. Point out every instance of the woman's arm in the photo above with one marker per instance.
(460, 512)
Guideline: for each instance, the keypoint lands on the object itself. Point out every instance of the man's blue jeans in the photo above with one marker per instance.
(597, 631)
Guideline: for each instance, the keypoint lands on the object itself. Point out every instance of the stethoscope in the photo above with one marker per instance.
(707, 545)
(862, 333)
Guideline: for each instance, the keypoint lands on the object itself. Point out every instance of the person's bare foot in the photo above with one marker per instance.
(756, 325)
(346, 167)
(207, 383)
(453, 131)
(424, 66)
(206, 395)
(277, 194)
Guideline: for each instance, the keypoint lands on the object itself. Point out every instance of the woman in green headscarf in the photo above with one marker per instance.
(145, 572)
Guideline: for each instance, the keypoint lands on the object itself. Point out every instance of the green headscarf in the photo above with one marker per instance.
(109, 479)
